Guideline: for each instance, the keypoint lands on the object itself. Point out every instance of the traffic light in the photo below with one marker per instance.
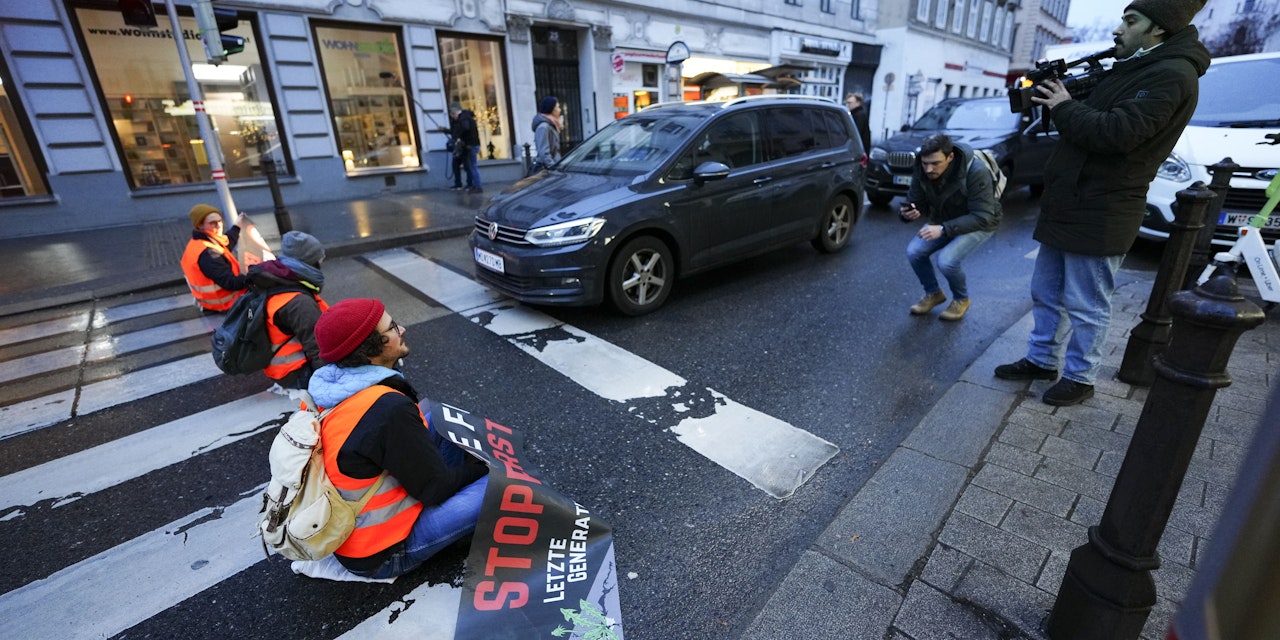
(137, 13)
(213, 24)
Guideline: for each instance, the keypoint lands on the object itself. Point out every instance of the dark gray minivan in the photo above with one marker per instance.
(672, 190)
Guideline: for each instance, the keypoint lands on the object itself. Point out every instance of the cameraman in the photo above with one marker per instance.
(953, 191)
(1109, 148)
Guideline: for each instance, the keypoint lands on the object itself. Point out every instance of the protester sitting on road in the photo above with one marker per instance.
(431, 489)
(209, 262)
(954, 192)
(294, 282)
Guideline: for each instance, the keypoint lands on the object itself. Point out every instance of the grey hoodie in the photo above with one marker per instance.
(546, 139)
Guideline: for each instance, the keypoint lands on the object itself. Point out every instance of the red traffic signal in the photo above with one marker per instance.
(137, 13)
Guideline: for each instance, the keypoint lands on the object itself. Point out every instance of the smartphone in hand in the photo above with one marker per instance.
(907, 212)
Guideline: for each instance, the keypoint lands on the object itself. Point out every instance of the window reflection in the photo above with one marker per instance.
(475, 78)
(151, 110)
(19, 174)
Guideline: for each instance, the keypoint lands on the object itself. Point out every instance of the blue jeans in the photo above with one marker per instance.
(1071, 307)
(951, 252)
(473, 166)
(439, 526)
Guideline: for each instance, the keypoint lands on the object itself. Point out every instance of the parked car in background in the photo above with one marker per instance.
(672, 190)
(1017, 141)
(1239, 105)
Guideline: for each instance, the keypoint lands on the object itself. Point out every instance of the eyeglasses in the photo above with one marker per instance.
(213, 221)
(393, 327)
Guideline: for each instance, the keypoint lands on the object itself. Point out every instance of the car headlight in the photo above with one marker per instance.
(1175, 169)
(565, 232)
(878, 154)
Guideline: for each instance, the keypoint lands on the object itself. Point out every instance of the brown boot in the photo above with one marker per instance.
(955, 310)
(929, 301)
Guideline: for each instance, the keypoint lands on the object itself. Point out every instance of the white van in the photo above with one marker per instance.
(1239, 105)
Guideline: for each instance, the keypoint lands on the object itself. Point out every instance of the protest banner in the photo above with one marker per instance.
(252, 249)
(541, 565)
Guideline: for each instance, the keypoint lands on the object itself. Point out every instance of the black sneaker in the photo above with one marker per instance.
(1024, 369)
(1067, 393)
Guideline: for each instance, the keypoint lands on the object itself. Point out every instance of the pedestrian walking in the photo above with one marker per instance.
(209, 262)
(546, 134)
(431, 489)
(952, 190)
(466, 140)
(1110, 145)
(855, 104)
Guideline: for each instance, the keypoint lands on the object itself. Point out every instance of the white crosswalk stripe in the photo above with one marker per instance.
(108, 590)
(732, 436)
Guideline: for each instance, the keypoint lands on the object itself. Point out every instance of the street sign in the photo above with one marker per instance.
(618, 63)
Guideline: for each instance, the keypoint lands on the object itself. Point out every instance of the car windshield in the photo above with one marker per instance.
(1240, 94)
(968, 114)
(631, 146)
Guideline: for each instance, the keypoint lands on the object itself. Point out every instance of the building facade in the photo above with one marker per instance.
(349, 98)
(938, 49)
(1039, 25)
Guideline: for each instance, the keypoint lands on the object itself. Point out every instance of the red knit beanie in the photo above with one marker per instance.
(342, 327)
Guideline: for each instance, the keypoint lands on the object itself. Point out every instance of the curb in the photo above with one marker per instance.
(144, 281)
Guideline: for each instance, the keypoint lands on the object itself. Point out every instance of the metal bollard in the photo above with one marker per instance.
(1152, 334)
(528, 159)
(284, 223)
(1203, 253)
(1108, 592)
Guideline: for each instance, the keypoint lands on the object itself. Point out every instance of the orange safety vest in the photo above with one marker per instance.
(289, 355)
(207, 292)
(389, 515)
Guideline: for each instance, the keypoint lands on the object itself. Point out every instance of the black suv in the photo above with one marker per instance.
(1018, 143)
(674, 189)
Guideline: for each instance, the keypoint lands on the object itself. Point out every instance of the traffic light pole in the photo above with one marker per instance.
(211, 144)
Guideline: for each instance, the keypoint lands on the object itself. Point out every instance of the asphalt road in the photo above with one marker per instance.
(821, 342)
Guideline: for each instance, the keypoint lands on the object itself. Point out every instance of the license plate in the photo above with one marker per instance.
(1241, 219)
(902, 180)
(490, 261)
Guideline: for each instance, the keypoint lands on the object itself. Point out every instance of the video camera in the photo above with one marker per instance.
(1078, 85)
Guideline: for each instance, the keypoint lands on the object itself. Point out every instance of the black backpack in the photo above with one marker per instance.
(241, 344)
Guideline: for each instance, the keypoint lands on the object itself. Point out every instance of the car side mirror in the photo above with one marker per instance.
(710, 171)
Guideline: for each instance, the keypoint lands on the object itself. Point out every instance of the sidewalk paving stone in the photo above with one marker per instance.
(1012, 554)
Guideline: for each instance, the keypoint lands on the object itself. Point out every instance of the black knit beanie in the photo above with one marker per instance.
(1171, 15)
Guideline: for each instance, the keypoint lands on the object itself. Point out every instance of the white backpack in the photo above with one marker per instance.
(998, 179)
(303, 515)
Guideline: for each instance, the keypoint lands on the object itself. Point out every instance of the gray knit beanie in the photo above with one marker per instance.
(302, 247)
(1171, 15)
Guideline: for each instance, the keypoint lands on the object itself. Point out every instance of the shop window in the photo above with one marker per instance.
(475, 77)
(20, 174)
(141, 79)
(372, 113)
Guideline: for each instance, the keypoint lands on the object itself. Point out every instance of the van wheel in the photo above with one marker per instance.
(837, 224)
(641, 276)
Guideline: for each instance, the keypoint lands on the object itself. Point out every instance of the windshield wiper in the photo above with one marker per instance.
(1250, 124)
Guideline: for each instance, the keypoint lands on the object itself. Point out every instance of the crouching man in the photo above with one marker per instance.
(431, 490)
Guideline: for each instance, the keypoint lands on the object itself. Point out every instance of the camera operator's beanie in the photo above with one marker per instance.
(302, 247)
(1171, 15)
(548, 104)
(342, 327)
(201, 211)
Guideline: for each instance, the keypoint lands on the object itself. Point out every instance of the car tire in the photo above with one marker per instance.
(879, 199)
(837, 225)
(641, 276)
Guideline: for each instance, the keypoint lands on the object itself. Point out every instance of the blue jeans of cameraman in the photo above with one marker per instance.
(1071, 307)
(439, 526)
(951, 253)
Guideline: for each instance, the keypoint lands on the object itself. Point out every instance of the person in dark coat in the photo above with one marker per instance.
(1109, 148)
(855, 103)
(955, 195)
(546, 134)
(466, 136)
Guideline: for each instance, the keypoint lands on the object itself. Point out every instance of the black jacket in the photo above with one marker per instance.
(963, 201)
(464, 129)
(1111, 144)
(864, 127)
(297, 317)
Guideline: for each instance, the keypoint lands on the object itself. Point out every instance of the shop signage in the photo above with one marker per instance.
(819, 47)
(618, 62)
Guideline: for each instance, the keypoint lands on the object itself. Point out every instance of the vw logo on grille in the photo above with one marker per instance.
(1266, 174)
(493, 230)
